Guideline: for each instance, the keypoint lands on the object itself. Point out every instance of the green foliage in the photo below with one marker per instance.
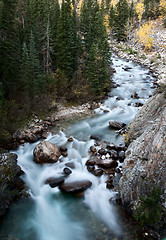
(96, 51)
(152, 9)
(149, 210)
(111, 16)
(121, 20)
(132, 13)
(67, 40)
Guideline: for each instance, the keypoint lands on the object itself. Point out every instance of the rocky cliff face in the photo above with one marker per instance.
(144, 167)
(10, 183)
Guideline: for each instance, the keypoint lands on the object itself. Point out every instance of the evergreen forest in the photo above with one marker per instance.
(51, 51)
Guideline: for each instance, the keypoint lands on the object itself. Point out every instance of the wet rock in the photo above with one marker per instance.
(63, 149)
(109, 183)
(137, 104)
(121, 154)
(107, 163)
(98, 172)
(119, 201)
(75, 187)
(90, 168)
(113, 154)
(117, 170)
(70, 139)
(67, 171)
(70, 165)
(11, 185)
(44, 135)
(90, 162)
(127, 68)
(135, 95)
(106, 111)
(32, 137)
(95, 137)
(117, 125)
(93, 149)
(64, 154)
(111, 146)
(46, 152)
(102, 151)
(55, 182)
(119, 98)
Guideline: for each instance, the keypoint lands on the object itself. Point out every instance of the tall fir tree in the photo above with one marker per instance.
(95, 45)
(9, 47)
(67, 40)
(121, 20)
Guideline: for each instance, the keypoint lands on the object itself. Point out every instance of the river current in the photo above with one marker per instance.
(49, 214)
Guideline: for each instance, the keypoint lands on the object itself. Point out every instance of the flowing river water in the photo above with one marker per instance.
(49, 214)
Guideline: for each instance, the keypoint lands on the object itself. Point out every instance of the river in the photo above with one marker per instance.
(49, 214)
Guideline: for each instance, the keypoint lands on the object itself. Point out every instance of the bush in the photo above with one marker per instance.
(149, 210)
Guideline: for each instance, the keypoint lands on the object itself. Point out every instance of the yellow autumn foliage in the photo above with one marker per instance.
(163, 7)
(106, 22)
(140, 9)
(145, 35)
(113, 2)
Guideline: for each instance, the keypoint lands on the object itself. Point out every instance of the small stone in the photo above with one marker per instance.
(70, 165)
(64, 154)
(98, 172)
(67, 171)
(70, 139)
(63, 149)
(90, 168)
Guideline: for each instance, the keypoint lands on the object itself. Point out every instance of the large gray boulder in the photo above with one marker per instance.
(46, 152)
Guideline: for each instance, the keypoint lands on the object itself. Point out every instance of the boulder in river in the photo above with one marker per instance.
(98, 172)
(67, 171)
(107, 163)
(46, 152)
(70, 165)
(116, 124)
(54, 182)
(75, 187)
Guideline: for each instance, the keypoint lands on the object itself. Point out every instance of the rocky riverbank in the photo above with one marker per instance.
(155, 59)
(142, 185)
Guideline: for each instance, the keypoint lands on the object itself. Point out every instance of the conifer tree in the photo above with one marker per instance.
(67, 41)
(121, 20)
(151, 9)
(9, 46)
(95, 45)
(111, 16)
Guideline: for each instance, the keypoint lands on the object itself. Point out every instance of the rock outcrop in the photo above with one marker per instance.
(10, 183)
(144, 167)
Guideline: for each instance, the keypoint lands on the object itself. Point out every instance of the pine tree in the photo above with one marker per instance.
(9, 46)
(111, 16)
(132, 13)
(67, 40)
(151, 9)
(95, 46)
(121, 20)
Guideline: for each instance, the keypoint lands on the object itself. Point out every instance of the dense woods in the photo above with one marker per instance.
(50, 51)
